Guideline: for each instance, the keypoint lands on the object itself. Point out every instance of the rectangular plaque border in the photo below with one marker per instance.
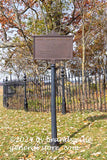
(43, 37)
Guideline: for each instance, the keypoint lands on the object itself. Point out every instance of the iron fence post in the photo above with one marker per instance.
(25, 98)
(3, 93)
(6, 91)
(54, 141)
(63, 93)
(106, 71)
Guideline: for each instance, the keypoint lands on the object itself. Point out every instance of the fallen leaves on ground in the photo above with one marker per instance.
(26, 135)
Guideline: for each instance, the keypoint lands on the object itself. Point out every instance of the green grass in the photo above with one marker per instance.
(25, 135)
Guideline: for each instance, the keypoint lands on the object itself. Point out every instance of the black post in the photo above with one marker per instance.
(6, 91)
(63, 93)
(54, 141)
(106, 71)
(3, 93)
(25, 98)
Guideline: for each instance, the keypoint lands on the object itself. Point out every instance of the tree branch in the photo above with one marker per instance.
(10, 45)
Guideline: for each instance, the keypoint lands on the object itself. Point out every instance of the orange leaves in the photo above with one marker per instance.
(78, 35)
(3, 21)
(65, 18)
(30, 3)
(87, 2)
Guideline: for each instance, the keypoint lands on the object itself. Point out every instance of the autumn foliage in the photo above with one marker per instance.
(20, 19)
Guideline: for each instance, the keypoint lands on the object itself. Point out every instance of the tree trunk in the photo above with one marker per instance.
(83, 57)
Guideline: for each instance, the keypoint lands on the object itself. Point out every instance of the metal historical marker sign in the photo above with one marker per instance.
(53, 47)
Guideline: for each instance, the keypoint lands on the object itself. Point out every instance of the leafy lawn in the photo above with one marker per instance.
(26, 135)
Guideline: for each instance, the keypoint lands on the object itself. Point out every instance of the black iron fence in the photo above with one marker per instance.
(72, 93)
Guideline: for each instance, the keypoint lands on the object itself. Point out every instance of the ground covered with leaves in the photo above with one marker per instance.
(26, 135)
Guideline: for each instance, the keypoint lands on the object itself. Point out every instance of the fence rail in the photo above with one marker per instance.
(71, 91)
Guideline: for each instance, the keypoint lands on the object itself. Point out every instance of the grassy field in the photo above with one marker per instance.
(26, 135)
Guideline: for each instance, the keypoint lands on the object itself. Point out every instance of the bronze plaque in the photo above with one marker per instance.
(53, 47)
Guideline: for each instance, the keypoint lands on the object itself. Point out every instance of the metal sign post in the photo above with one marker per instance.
(54, 141)
(53, 47)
